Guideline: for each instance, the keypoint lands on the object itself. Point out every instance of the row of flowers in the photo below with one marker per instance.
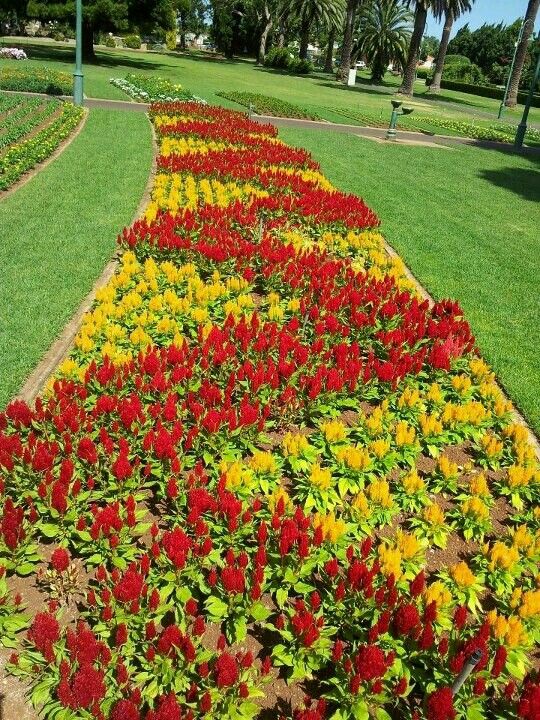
(273, 462)
(152, 88)
(27, 150)
(12, 53)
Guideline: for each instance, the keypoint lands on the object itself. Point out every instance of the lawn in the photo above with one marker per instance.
(206, 76)
(466, 221)
(58, 232)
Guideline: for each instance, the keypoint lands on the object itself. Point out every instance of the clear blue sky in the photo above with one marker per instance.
(490, 11)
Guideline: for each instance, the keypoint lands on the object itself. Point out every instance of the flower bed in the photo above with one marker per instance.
(30, 132)
(33, 79)
(280, 468)
(151, 88)
(267, 105)
(12, 54)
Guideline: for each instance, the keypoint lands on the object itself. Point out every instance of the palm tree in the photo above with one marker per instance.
(384, 34)
(347, 46)
(521, 53)
(322, 12)
(453, 9)
(421, 9)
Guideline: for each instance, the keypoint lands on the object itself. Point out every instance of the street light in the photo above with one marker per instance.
(78, 76)
(507, 88)
(396, 104)
(522, 127)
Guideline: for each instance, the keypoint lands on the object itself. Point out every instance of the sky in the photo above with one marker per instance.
(490, 11)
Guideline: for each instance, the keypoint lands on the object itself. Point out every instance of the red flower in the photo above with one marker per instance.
(43, 633)
(129, 587)
(370, 662)
(499, 661)
(406, 619)
(125, 710)
(88, 686)
(226, 670)
(121, 635)
(206, 702)
(460, 617)
(60, 560)
(440, 705)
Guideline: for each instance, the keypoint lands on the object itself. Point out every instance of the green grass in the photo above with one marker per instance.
(59, 231)
(206, 76)
(466, 222)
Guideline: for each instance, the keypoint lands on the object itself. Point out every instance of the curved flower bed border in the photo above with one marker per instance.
(267, 460)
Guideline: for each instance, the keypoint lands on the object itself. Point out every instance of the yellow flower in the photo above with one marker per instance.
(390, 559)
(361, 505)
(434, 515)
(474, 507)
(499, 625)
(380, 448)
(434, 393)
(437, 593)
(516, 634)
(447, 468)
(332, 529)
(294, 444)
(491, 445)
(479, 485)
(519, 476)
(409, 398)
(407, 544)
(462, 575)
(356, 458)
(515, 600)
(236, 474)
(405, 434)
(334, 431)
(522, 538)
(479, 368)
(275, 497)
(430, 425)
(461, 384)
(502, 556)
(263, 462)
(374, 423)
(530, 604)
(320, 477)
(413, 483)
(379, 493)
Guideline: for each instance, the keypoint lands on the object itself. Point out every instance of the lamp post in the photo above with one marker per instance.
(522, 127)
(78, 76)
(396, 104)
(507, 87)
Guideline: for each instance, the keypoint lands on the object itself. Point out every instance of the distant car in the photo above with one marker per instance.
(360, 65)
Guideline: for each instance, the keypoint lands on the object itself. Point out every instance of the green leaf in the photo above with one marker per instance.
(216, 607)
(281, 596)
(50, 530)
(381, 714)
(24, 569)
(259, 612)
(360, 711)
(475, 712)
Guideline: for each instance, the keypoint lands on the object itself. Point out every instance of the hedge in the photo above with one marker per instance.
(485, 91)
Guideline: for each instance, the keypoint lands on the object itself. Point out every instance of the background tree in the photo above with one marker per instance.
(348, 40)
(191, 18)
(521, 53)
(453, 9)
(421, 9)
(310, 12)
(384, 35)
(430, 46)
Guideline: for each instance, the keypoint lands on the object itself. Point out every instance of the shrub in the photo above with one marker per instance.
(278, 58)
(423, 73)
(301, 67)
(456, 59)
(463, 72)
(109, 42)
(485, 91)
(41, 80)
(133, 42)
(58, 36)
(170, 40)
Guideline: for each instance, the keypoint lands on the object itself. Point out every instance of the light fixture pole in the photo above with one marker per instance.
(522, 127)
(78, 76)
(507, 87)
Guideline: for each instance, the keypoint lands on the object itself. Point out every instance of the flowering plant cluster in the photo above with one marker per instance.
(152, 88)
(22, 143)
(12, 53)
(276, 464)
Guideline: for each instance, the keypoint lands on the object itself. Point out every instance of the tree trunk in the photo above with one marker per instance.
(88, 42)
(346, 50)
(305, 27)
(264, 36)
(420, 19)
(329, 60)
(435, 86)
(281, 38)
(521, 54)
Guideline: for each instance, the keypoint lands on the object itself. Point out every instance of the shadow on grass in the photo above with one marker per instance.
(367, 90)
(521, 181)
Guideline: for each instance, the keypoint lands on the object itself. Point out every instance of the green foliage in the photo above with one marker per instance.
(485, 91)
(466, 72)
(151, 88)
(278, 57)
(281, 59)
(430, 46)
(109, 42)
(170, 39)
(384, 35)
(32, 79)
(133, 42)
(266, 105)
